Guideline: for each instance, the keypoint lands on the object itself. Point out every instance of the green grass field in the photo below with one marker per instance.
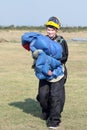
(19, 109)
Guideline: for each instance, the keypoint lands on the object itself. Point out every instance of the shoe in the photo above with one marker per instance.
(53, 127)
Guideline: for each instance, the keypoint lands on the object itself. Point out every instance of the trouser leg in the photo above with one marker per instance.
(57, 99)
(43, 95)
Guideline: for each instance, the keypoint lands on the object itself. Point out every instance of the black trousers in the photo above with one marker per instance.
(52, 98)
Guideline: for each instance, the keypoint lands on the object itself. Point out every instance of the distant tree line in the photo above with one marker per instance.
(40, 28)
(22, 27)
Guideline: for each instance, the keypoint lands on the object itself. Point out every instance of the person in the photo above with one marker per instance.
(51, 95)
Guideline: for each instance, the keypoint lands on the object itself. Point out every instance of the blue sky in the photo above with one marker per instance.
(37, 12)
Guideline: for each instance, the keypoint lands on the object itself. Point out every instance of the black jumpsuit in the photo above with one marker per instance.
(51, 95)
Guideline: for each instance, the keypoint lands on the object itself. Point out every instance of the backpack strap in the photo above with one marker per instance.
(59, 39)
(63, 43)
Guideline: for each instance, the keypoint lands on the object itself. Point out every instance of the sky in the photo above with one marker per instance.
(37, 12)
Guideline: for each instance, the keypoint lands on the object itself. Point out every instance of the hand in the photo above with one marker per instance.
(36, 53)
(50, 72)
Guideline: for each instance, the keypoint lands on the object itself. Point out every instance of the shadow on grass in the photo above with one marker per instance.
(28, 106)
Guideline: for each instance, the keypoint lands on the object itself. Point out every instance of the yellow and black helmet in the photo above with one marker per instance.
(53, 22)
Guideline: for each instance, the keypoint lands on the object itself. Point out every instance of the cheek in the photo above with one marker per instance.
(48, 32)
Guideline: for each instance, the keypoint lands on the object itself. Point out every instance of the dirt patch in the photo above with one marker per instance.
(3, 40)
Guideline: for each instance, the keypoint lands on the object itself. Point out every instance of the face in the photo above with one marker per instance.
(51, 32)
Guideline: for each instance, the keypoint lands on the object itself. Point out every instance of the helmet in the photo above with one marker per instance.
(53, 22)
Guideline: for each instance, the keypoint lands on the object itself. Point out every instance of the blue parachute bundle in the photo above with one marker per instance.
(47, 52)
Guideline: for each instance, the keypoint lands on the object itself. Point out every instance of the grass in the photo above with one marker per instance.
(19, 109)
